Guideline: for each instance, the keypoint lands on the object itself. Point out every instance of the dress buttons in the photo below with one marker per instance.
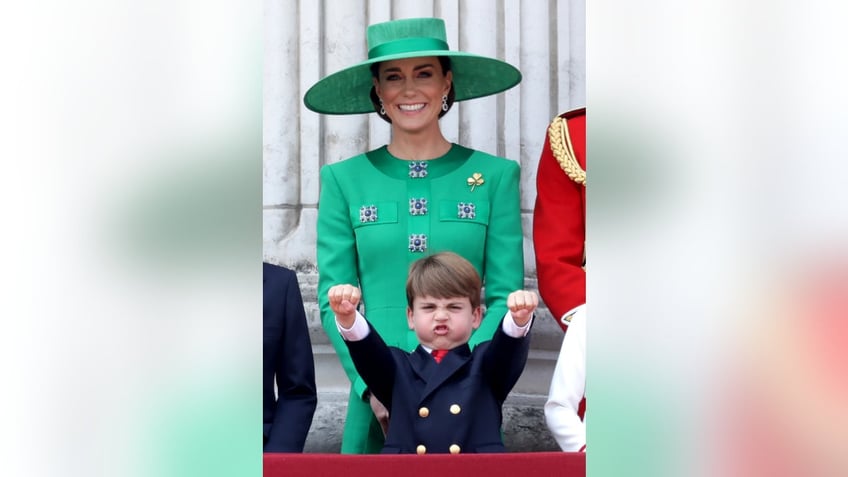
(454, 409)
(454, 449)
(423, 412)
(421, 450)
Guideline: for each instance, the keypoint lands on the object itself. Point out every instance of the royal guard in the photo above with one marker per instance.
(559, 237)
(559, 219)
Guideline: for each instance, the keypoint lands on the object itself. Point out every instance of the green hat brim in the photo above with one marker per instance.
(347, 91)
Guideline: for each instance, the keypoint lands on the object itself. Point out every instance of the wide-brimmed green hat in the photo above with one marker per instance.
(347, 91)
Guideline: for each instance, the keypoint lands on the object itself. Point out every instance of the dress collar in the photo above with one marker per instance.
(396, 168)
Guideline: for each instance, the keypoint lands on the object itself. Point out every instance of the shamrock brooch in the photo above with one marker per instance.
(475, 180)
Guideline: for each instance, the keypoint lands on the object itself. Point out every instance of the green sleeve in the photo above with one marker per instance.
(336, 253)
(503, 271)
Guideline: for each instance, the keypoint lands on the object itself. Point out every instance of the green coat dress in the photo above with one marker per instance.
(377, 214)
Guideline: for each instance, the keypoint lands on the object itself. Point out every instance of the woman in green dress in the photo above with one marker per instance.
(420, 194)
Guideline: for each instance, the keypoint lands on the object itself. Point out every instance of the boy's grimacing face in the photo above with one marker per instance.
(443, 323)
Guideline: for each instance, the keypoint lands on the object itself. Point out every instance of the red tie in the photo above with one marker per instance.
(438, 354)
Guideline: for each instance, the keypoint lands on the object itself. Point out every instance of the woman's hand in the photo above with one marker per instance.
(381, 413)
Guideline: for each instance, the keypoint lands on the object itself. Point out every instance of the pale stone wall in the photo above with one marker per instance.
(544, 39)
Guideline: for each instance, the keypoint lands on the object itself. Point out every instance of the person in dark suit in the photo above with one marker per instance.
(443, 397)
(286, 358)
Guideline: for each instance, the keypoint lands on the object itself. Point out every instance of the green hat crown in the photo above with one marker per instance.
(347, 91)
(406, 36)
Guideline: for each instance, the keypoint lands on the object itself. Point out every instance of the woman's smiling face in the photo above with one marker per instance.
(411, 90)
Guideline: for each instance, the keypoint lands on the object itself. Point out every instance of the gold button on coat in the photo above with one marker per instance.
(421, 450)
(454, 409)
(423, 412)
(454, 449)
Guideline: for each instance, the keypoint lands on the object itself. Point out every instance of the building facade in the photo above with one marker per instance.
(307, 39)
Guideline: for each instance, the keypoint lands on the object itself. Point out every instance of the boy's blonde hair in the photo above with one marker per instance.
(443, 275)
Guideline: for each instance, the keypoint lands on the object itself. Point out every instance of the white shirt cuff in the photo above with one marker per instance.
(358, 331)
(513, 330)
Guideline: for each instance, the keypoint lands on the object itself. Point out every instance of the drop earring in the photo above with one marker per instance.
(382, 109)
(445, 103)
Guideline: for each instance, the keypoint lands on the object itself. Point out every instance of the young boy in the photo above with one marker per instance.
(450, 400)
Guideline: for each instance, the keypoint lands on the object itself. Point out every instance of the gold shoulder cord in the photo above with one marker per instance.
(564, 152)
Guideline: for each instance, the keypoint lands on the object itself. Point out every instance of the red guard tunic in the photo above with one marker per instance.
(559, 218)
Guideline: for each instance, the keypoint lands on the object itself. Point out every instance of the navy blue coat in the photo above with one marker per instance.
(449, 407)
(286, 357)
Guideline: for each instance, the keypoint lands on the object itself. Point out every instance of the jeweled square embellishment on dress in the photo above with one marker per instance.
(417, 206)
(368, 213)
(466, 210)
(417, 169)
(417, 242)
